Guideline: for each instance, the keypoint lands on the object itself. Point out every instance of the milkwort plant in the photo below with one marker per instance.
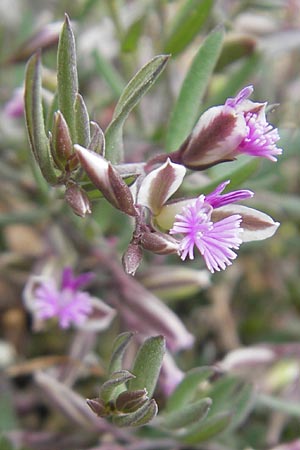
(87, 166)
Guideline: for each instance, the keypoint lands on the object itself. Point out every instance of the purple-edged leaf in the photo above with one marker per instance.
(138, 418)
(256, 224)
(159, 185)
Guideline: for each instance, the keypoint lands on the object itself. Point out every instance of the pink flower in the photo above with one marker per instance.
(214, 240)
(261, 137)
(223, 132)
(69, 305)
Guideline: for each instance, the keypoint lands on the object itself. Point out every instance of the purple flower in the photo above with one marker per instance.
(261, 137)
(225, 131)
(214, 240)
(66, 303)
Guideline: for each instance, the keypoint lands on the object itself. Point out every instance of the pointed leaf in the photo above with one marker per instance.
(119, 346)
(147, 364)
(67, 80)
(35, 119)
(186, 110)
(205, 430)
(130, 97)
(187, 389)
(97, 142)
(110, 389)
(186, 24)
(82, 124)
(243, 403)
(187, 415)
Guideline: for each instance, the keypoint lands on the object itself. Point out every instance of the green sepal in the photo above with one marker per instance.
(82, 122)
(147, 364)
(35, 120)
(130, 97)
(194, 412)
(138, 418)
(67, 79)
(207, 429)
(187, 389)
(119, 346)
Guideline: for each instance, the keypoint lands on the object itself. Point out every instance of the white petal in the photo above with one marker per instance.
(158, 186)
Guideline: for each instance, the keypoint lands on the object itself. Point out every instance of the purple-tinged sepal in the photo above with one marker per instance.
(219, 130)
(132, 258)
(106, 179)
(61, 143)
(158, 186)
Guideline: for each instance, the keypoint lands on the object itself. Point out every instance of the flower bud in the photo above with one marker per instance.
(97, 406)
(159, 243)
(130, 401)
(106, 179)
(61, 143)
(77, 198)
(132, 258)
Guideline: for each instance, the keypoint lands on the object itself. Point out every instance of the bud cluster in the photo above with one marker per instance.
(127, 406)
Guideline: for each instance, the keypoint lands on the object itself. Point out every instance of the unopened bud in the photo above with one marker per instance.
(109, 388)
(132, 258)
(97, 406)
(140, 417)
(77, 198)
(106, 179)
(130, 401)
(159, 243)
(61, 145)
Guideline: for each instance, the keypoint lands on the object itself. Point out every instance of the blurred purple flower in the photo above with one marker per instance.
(46, 299)
(14, 108)
(214, 240)
(66, 303)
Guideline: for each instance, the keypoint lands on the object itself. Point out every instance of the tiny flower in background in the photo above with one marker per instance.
(69, 305)
(223, 132)
(46, 299)
(214, 240)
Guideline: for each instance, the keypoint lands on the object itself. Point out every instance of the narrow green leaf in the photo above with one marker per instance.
(107, 71)
(82, 122)
(279, 404)
(131, 38)
(187, 415)
(237, 79)
(186, 109)
(130, 97)
(119, 346)
(187, 24)
(207, 429)
(188, 387)
(243, 403)
(35, 119)
(147, 365)
(67, 79)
